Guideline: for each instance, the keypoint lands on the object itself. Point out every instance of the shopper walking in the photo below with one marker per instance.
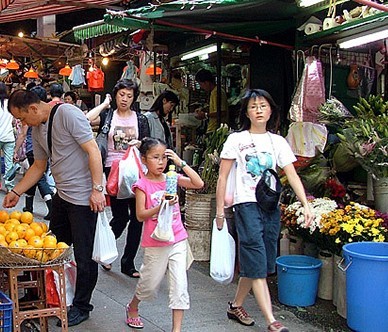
(160, 114)
(160, 257)
(77, 169)
(7, 136)
(255, 148)
(127, 127)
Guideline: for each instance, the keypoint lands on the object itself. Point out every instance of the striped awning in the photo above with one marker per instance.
(95, 29)
(20, 10)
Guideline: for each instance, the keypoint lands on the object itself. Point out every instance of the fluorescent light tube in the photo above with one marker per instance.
(199, 52)
(363, 38)
(308, 3)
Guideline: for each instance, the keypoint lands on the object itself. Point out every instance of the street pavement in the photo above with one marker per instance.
(208, 300)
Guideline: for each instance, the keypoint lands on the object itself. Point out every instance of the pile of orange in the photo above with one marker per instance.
(22, 235)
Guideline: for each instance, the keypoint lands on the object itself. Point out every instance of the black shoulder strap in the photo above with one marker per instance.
(108, 119)
(50, 127)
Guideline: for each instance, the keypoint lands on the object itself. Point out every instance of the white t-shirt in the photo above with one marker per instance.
(253, 154)
(6, 129)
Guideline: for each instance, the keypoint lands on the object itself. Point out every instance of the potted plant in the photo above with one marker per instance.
(200, 205)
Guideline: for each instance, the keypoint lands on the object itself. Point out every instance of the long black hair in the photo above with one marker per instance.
(3, 93)
(148, 143)
(274, 120)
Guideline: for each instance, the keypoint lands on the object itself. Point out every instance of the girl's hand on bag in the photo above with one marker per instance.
(173, 156)
(171, 201)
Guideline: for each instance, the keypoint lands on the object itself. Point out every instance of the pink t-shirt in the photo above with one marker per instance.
(122, 131)
(154, 192)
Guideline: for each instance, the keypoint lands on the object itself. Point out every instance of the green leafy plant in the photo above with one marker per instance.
(366, 135)
(211, 164)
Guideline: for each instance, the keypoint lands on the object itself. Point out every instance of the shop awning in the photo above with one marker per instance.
(19, 10)
(96, 29)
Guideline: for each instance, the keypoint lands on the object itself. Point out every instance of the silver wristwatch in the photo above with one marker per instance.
(98, 187)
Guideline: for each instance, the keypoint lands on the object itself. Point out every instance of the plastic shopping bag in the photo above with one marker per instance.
(163, 230)
(70, 280)
(222, 254)
(130, 170)
(104, 248)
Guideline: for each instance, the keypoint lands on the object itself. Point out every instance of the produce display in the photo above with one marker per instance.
(22, 235)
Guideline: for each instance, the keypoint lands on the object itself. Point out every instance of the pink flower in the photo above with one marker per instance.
(366, 148)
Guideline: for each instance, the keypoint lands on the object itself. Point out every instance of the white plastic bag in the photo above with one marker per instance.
(163, 230)
(70, 280)
(222, 254)
(130, 170)
(104, 248)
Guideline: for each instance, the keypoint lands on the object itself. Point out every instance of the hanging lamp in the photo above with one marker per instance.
(12, 64)
(65, 71)
(151, 70)
(31, 73)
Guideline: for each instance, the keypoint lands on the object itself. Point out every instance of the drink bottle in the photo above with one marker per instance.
(171, 182)
(284, 245)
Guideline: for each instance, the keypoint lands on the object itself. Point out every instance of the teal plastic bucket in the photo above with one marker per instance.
(298, 277)
(366, 266)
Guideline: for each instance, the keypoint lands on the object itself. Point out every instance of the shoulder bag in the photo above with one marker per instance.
(102, 137)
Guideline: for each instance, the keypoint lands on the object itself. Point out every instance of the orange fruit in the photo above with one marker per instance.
(2, 237)
(20, 230)
(36, 241)
(22, 243)
(3, 243)
(27, 217)
(12, 221)
(15, 247)
(55, 253)
(29, 251)
(4, 216)
(2, 229)
(15, 215)
(50, 242)
(29, 233)
(37, 228)
(9, 226)
(62, 245)
(11, 236)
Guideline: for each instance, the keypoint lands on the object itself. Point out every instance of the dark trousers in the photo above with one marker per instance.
(42, 184)
(124, 210)
(121, 215)
(76, 224)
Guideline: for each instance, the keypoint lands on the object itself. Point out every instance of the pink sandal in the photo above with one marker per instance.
(133, 322)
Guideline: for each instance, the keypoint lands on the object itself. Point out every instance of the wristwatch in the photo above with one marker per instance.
(183, 164)
(98, 187)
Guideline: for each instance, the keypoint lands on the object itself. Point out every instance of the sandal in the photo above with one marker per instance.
(132, 273)
(133, 322)
(106, 267)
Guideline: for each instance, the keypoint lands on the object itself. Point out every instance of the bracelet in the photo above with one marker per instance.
(18, 195)
(220, 215)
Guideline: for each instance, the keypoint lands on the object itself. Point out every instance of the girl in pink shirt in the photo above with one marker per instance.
(160, 257)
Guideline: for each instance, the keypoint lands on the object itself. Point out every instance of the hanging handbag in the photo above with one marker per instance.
(268, 198)
(102, 137)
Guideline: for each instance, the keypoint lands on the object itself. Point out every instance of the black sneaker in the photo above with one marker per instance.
(75, 316)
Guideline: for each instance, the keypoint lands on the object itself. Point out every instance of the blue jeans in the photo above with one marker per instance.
(76, 224)
(258, 233)
(42, 184)
(8, 150)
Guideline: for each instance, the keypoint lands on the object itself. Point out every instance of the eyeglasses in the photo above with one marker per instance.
(262, 107)
(157, 159)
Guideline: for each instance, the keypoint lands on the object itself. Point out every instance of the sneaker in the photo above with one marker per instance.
(75, 316)
(276, 326)
(239, 314)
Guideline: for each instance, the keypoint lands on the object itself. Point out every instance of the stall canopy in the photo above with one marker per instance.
(19, 10)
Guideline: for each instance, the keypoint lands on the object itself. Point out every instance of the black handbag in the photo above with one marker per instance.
(102, 137)
(268, 198)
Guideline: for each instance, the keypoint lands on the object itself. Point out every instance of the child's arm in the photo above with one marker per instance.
(141, 212)
(192, 180)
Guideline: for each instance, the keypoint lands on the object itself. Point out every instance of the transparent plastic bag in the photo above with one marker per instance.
(163, 230)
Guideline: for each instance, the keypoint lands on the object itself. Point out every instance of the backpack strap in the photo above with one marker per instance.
(50, 127)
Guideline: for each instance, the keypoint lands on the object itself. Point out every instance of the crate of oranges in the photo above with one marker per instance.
(26, 242)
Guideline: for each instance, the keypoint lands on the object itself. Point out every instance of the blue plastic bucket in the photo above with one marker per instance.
(298, 277)
(366, 266)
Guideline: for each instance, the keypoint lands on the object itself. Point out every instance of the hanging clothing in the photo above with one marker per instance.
(314, 89)
(77, 76)
(129, 71)
(95, 80)
(305, 138)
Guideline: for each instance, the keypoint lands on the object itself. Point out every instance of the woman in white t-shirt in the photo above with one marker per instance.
(252, 150)
(7, 136)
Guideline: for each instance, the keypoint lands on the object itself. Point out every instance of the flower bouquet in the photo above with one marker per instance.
(353, 223)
